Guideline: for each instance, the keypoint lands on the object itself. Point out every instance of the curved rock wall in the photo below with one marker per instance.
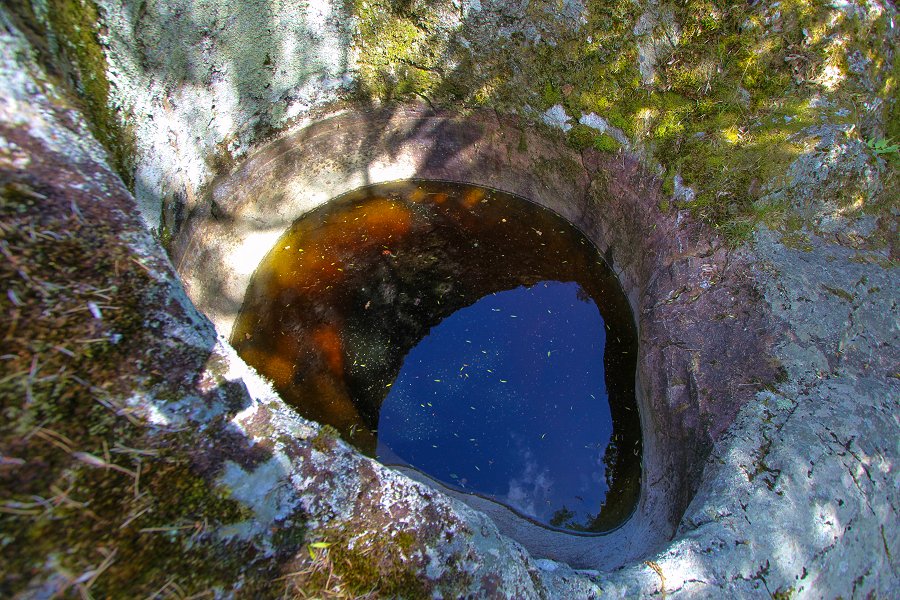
(691, 298)
(138, 454)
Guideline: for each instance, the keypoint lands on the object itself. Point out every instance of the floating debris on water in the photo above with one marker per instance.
(391, 289)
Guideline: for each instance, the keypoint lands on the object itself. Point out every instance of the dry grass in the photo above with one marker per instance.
(316, 577)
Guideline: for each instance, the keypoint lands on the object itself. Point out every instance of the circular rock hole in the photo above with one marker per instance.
(465, 333)
(692, 375)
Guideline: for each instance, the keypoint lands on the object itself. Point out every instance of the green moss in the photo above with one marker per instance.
(840, 293)
(325, 438)
(550, 95)
(173, 539)
(581, 137)
(724, 110)
(75, 25)
(400, 55)
(728, 107)
(386, 573)
(672, 114)
(404, 540)
(891, 94)
(890, 196)
(606, 143)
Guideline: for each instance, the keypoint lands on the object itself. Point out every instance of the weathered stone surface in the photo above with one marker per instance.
(799, 496)
(798, 491)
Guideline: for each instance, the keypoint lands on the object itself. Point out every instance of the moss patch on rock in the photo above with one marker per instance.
(735, 86)
(75, 26)
(362, 567)
(94, 499)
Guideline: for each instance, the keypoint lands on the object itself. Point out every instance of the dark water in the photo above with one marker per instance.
(464, 332)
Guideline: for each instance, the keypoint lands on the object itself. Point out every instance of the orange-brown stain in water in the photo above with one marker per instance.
(418, 195)
(328, 343)
(312, 261)
(280, 369)
(472, 196)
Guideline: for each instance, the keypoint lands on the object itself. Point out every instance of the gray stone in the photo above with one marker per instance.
(556, 116)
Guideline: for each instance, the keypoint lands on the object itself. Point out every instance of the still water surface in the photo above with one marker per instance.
(461, 331)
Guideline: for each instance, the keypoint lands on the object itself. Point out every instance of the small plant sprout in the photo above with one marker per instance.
(317, 546)
(883, 146)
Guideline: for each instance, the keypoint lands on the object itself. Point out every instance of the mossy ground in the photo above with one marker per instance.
(731, 91)
(345, 567)
(85, 491)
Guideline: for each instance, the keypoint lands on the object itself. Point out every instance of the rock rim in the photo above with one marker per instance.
(692, 300)
(797, 495)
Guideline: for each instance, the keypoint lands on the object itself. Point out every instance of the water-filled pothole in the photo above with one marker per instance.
(461, 331)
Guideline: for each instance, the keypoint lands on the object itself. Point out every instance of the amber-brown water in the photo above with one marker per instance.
(464, 332)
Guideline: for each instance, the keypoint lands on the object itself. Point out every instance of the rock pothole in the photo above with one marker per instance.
(139, 456)
(694, 367)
